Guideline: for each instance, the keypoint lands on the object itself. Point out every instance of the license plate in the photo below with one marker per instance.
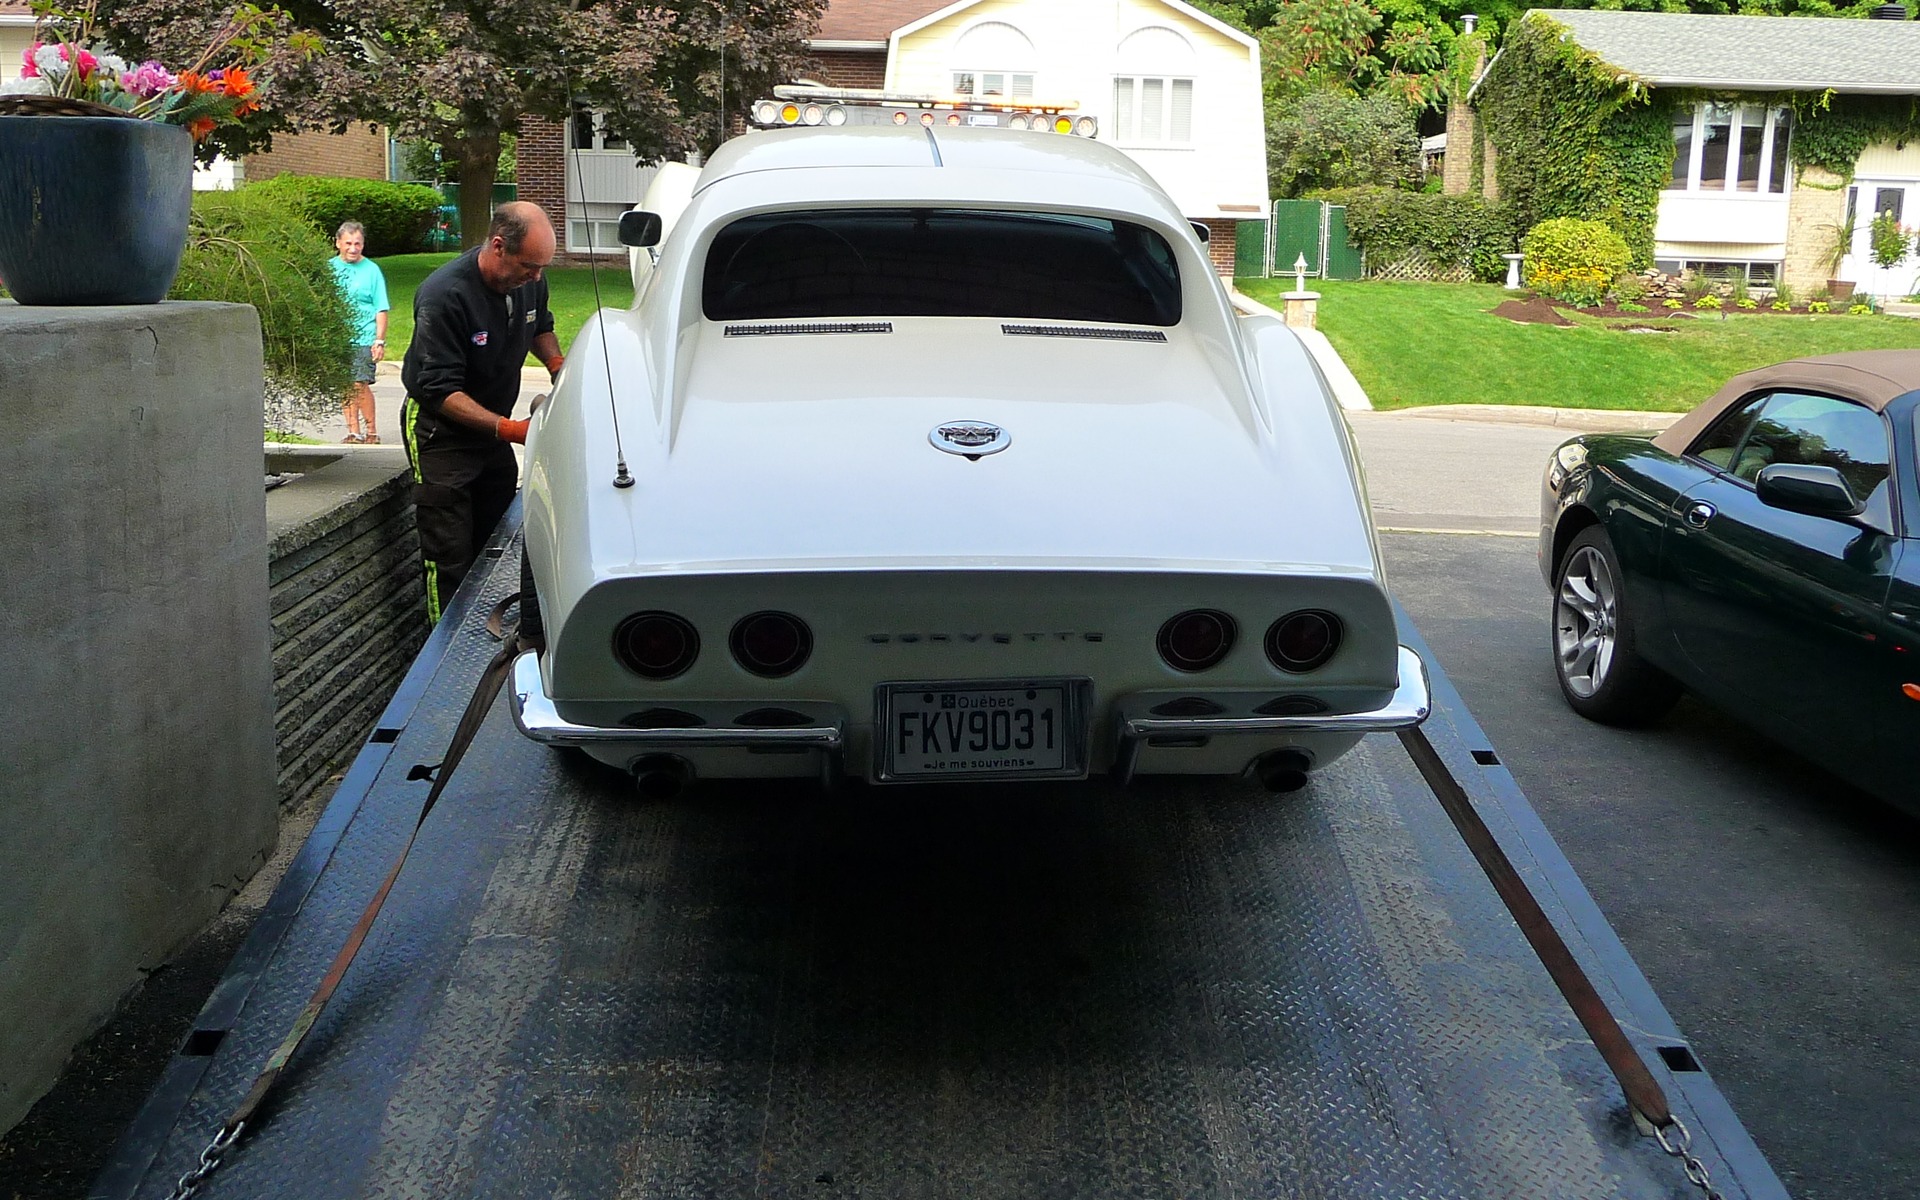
(931, 731)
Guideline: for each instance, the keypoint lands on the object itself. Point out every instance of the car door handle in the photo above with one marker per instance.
(1699, 513)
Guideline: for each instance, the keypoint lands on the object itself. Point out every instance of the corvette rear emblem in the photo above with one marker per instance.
(970, 438)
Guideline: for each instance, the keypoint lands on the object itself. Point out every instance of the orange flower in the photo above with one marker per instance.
(194, 81)
(234, 82)
(200, 127)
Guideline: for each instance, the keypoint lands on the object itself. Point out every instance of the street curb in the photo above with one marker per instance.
(1577, 420)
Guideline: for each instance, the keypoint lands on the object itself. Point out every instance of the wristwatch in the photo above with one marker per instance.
(379, 341)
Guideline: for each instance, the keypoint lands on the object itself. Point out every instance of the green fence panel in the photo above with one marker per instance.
(1250, 249)
(1296, 232)
(1343, 257)
(446, 232)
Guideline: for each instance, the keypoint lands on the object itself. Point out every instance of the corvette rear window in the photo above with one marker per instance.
(930, 262)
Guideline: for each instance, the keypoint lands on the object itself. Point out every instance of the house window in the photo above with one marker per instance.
(589, 132)
(1757, 274)
(1730, 148)
(994, 85)
(1153, 110)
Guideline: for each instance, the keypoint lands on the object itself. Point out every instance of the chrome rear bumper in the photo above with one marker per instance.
(534, 713)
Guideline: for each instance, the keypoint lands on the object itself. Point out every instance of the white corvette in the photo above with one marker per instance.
(941, 455)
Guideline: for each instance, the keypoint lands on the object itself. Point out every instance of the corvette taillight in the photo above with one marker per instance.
(771, 644)
(1196, 639)
(656, 645)
(1304, 640)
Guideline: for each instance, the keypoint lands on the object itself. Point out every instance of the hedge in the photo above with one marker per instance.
(397, 216)
(249, 247)
(1392, 225)
(1574, 260)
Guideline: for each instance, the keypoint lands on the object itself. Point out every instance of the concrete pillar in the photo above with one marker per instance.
(138, 790)
(1302, 309)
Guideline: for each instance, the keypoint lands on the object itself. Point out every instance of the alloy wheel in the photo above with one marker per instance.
(1586, 621)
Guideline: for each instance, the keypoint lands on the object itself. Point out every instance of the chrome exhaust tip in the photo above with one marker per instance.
(661, 776)
(1282, 770)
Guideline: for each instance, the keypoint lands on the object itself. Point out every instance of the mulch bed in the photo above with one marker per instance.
(1535, 310)
(1538, 310)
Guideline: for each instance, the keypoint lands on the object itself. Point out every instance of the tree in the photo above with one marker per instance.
(667, 74)
(1335, 139)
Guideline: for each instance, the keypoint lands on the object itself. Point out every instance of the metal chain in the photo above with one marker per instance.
(209, 1159)
(1682, 1149)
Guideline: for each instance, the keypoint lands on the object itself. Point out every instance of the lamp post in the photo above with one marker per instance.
(1301, 303)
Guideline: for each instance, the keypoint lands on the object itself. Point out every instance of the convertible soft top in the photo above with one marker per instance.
(1875, 378)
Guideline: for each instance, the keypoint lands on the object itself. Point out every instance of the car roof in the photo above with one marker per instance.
(917, 146)
(1875, 378)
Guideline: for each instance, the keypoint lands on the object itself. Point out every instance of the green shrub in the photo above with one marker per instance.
(1707, 301)
(1466, 231)
(1336, 139)
(1747, 302)
(1889, 240)
(247, 247)
(1670, 302)
(397, 216)
(1573, 260)
(1781, 306)
(1861, 310)
(1818, 306)
(1630, 306)
(1783, 294)
(1629, 289)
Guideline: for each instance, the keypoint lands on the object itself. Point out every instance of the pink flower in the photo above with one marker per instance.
(27, 68)
(147, 80)
(87, 61)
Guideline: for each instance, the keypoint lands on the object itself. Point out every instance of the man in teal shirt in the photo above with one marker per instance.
(366, 291)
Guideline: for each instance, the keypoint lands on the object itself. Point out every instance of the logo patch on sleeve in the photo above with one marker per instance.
(480, 338)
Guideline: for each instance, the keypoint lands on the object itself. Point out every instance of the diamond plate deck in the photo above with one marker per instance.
(1177, 990)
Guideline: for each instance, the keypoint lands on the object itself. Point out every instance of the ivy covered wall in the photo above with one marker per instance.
(1574, 136)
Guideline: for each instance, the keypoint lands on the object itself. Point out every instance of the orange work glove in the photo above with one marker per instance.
(510, 430)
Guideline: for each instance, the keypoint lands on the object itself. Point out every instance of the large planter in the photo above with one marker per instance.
(93, 210)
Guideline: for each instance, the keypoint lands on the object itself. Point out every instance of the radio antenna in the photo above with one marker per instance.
(621, 477)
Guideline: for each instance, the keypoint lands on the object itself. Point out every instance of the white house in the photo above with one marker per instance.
(16, 34)
(1735, 204)
(1176, 89)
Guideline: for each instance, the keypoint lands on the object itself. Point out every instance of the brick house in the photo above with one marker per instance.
(1174, 88)
(1734, 204)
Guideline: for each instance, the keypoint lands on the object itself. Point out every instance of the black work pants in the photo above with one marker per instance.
(459, 495)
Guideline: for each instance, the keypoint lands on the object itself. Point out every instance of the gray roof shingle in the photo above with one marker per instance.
(1752, 53)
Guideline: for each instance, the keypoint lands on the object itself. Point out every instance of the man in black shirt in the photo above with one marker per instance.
(474, 321)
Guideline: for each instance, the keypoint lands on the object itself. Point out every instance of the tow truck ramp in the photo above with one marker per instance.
(1180, 989)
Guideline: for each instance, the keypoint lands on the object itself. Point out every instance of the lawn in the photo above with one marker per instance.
(1439, 343)
(569, 294)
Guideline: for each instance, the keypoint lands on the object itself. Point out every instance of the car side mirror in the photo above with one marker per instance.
(639, 228)
(1201, 231)
(1814, 490)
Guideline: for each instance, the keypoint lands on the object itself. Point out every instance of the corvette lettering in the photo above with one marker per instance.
(1000, 639)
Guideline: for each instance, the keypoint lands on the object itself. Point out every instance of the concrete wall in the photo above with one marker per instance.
(348, 605)
(138, 789)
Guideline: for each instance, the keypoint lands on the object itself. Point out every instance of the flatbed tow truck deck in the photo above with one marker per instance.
(969, 991)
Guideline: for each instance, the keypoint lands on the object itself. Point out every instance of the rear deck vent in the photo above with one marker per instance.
(784, 328)
(1077, 331)
(1292, 706)
(663, 718)
(1188, 706)
(772, 718)
(1486, 758)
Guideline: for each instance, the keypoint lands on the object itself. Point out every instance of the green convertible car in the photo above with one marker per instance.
(1764, 553)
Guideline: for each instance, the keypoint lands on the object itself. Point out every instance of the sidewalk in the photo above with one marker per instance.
(389, 394)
